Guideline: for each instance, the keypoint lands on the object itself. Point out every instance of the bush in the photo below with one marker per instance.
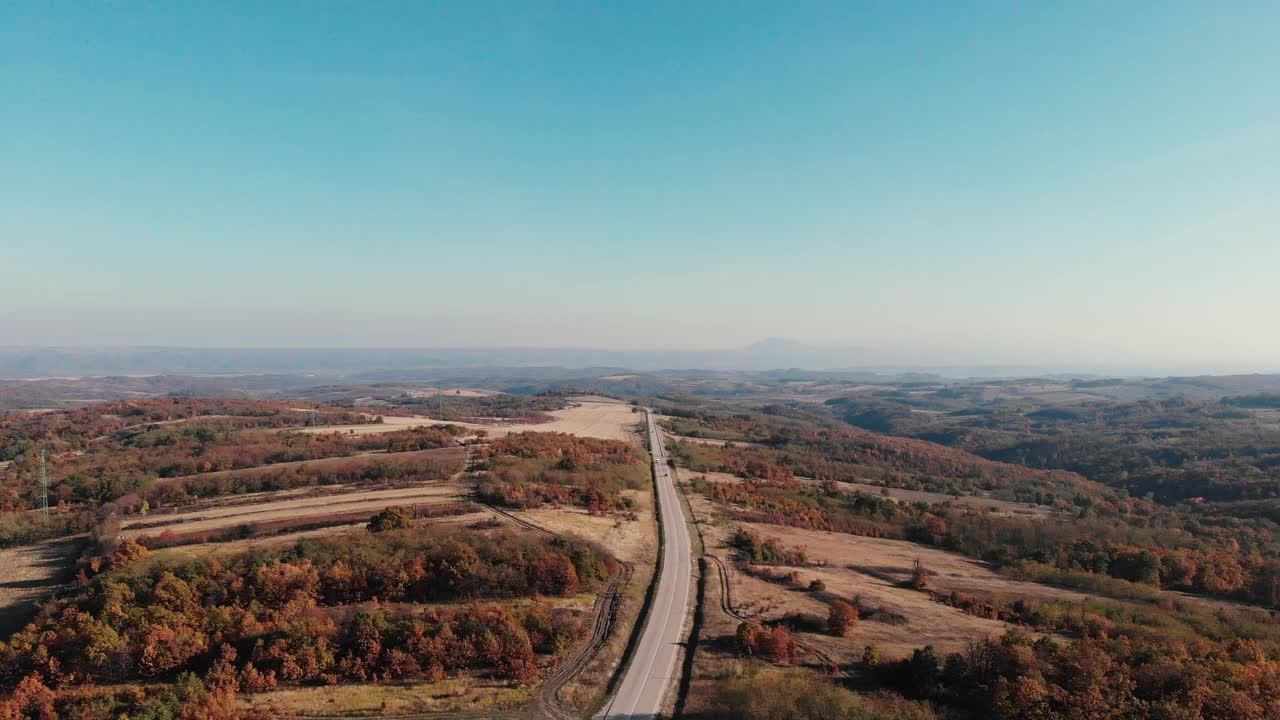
(841, 617)
(395, 517)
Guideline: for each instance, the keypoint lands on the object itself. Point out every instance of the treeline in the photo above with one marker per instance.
(108, 470)
(363, 469)
(531, 469)
(188, 699)
(454, 406)
(1014, 677)
(1175, 450)
(67, 430)
(311, 614)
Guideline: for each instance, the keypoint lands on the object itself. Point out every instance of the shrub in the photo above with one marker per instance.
(395, 517)
(841, 617)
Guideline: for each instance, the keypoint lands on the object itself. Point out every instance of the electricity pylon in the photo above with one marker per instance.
(44, 486)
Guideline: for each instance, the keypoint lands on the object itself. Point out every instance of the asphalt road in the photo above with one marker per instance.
(653, 671)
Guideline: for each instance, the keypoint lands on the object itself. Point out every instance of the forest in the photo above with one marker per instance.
(361, 607)
(1173, 451)
(95, 456)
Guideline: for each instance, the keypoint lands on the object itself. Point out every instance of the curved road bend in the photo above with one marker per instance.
(653, 670)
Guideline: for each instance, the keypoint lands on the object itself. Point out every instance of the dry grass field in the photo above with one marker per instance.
(1005, 507)
(868, 569)
(628, 540)
(588, 416)
(458, 694)
(29, 572)
(310, 507)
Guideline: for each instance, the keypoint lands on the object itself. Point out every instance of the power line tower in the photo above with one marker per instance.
(315, 419)
(44, 485)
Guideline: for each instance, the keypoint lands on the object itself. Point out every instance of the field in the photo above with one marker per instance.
(29, 572)
(393, 699)
(339, 505)
(869, 570)
(588, 416)
(629, 540)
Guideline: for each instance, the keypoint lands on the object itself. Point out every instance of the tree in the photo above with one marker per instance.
(923, 670)
(394, 517)
(748, 636)
(841, 617)
(817, 586)
(31, 699)
(779, 646)
(871, 656)
(129, 551)
(919, 575)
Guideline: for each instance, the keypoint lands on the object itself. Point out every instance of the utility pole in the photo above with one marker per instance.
(44, 486)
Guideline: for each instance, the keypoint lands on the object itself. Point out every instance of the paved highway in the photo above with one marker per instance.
(653, 672)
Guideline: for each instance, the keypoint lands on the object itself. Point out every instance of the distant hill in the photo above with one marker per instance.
(18, 362)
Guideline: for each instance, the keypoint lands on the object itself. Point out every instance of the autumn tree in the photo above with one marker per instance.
(919, 575)
(395, 517)
(841, 617)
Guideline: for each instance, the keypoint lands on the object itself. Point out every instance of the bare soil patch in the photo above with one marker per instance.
(588, 416)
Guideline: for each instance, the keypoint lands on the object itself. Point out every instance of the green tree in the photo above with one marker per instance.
(392, 518)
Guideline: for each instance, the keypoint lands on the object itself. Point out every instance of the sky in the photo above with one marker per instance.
(1057, 183)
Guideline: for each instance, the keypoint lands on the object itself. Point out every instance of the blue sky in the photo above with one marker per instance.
(942, 182)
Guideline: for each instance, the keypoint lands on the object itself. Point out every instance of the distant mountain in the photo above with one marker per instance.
(783, 353)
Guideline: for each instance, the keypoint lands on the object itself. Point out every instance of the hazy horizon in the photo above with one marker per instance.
(1060, 185)
(773, 354)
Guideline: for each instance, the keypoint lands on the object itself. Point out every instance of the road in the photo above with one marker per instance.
(653, 670)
